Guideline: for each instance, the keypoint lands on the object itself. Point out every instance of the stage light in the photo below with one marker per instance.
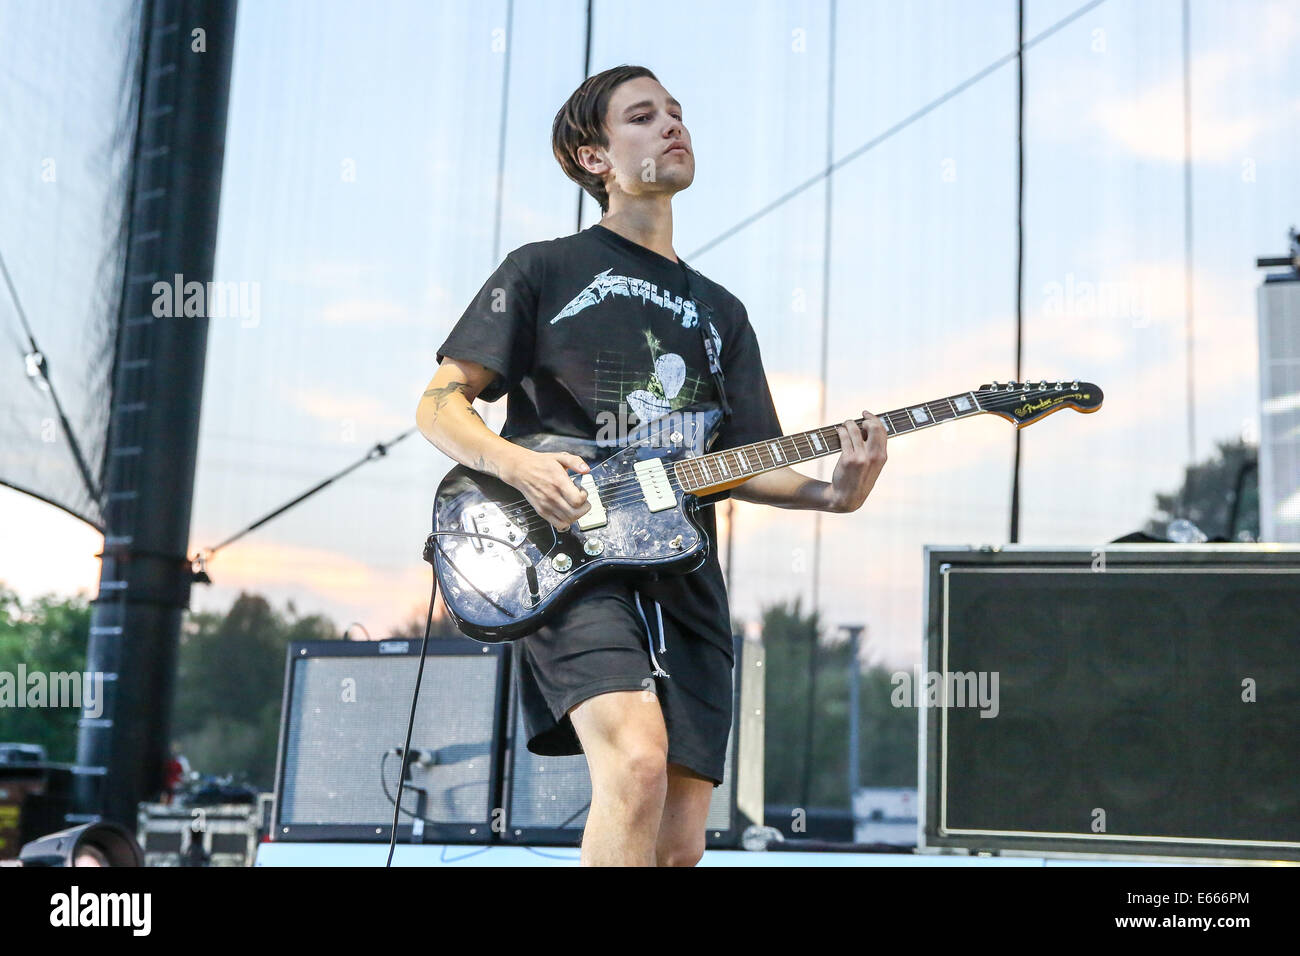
(91, 844)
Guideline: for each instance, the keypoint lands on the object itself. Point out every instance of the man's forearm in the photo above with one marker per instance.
(784, 488)
(447, 419)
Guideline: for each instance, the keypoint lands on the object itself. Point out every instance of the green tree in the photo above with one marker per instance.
(1208, 492)
(50, 635)
(887, 735)
(229, 685)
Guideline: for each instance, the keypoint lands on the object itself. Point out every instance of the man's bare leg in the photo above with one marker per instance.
(686, 808)
(626, 743)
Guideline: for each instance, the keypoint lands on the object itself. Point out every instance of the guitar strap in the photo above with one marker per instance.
(715, 365)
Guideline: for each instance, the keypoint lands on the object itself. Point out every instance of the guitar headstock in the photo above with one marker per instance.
(1026, 402)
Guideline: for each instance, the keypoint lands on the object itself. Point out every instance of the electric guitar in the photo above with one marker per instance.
(504, 569)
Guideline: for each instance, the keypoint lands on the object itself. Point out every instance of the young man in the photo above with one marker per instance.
(591, 331)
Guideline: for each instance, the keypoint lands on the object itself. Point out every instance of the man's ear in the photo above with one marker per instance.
(594, 154)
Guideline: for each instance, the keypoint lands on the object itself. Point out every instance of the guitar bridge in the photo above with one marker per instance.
(490, 520)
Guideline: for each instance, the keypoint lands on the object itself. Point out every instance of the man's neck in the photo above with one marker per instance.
(649, 227)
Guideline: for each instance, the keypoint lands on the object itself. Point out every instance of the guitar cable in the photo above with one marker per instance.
(419, 674)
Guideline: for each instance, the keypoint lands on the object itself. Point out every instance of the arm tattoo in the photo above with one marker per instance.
(440, 397)
(442, 393)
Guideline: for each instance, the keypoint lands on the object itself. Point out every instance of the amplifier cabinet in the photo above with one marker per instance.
(1117, 700)
(343, 722)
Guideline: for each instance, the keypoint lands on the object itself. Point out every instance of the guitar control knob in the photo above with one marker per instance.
(561, 562)
(675, 438)
(593, 546)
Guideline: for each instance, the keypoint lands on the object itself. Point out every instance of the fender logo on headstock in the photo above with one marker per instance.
(1049, 402)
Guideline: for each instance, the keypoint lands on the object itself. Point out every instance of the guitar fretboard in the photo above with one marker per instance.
(744, 461)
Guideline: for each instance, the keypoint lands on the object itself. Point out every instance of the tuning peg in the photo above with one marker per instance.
(1059, 387)
(1075, 384)
(995, 384)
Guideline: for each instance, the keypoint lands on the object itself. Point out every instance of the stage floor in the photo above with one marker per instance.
(434, 854)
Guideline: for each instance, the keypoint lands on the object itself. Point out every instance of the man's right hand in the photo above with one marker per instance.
(544, 479)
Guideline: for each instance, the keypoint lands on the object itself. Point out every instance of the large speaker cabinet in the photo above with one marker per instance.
(1119, 700)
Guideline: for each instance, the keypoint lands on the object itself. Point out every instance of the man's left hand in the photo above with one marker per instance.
(862, 456)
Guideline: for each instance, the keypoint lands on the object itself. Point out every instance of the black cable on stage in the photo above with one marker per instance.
(419, 674)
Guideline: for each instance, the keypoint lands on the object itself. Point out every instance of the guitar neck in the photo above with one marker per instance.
(720, 470)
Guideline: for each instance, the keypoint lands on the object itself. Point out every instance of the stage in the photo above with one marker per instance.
(433, 854)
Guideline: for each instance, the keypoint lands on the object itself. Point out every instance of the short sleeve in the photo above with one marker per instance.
(753, 413)
(499, 329)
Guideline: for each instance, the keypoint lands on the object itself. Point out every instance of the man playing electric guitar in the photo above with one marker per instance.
(586, 334)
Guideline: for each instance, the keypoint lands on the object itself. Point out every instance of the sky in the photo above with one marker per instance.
(360, 200)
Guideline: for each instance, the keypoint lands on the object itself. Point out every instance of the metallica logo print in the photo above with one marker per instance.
(652, 382)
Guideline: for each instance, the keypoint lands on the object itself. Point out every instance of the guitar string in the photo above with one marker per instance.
(759, 447)
(619, 498)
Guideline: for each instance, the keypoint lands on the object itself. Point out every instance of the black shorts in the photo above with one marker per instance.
(598, 644)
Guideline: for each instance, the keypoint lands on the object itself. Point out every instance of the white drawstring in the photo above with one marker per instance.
(658, 671)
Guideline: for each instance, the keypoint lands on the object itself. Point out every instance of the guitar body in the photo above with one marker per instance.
(487, 586)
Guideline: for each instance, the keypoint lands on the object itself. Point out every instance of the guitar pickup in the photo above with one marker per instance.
(655, 487)
(595, 518)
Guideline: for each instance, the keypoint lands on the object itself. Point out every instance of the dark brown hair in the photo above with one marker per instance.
(581, 122)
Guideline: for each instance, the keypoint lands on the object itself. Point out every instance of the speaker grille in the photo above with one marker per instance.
(346, 712)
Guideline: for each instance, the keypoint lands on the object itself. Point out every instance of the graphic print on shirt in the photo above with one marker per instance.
(605, 285)
(658, 381)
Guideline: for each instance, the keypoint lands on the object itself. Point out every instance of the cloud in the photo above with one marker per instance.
(318, 580)
(1150, 124)
(335, 275)
(1147, 122)
(366, 311)
(50, 551)
(336, 409)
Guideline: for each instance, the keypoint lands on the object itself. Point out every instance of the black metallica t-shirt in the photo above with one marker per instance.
(594, 328)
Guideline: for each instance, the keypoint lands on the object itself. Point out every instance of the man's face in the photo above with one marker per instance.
(643, 124)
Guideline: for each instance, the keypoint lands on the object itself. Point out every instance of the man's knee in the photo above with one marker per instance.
(681, 851)
(644, 761)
